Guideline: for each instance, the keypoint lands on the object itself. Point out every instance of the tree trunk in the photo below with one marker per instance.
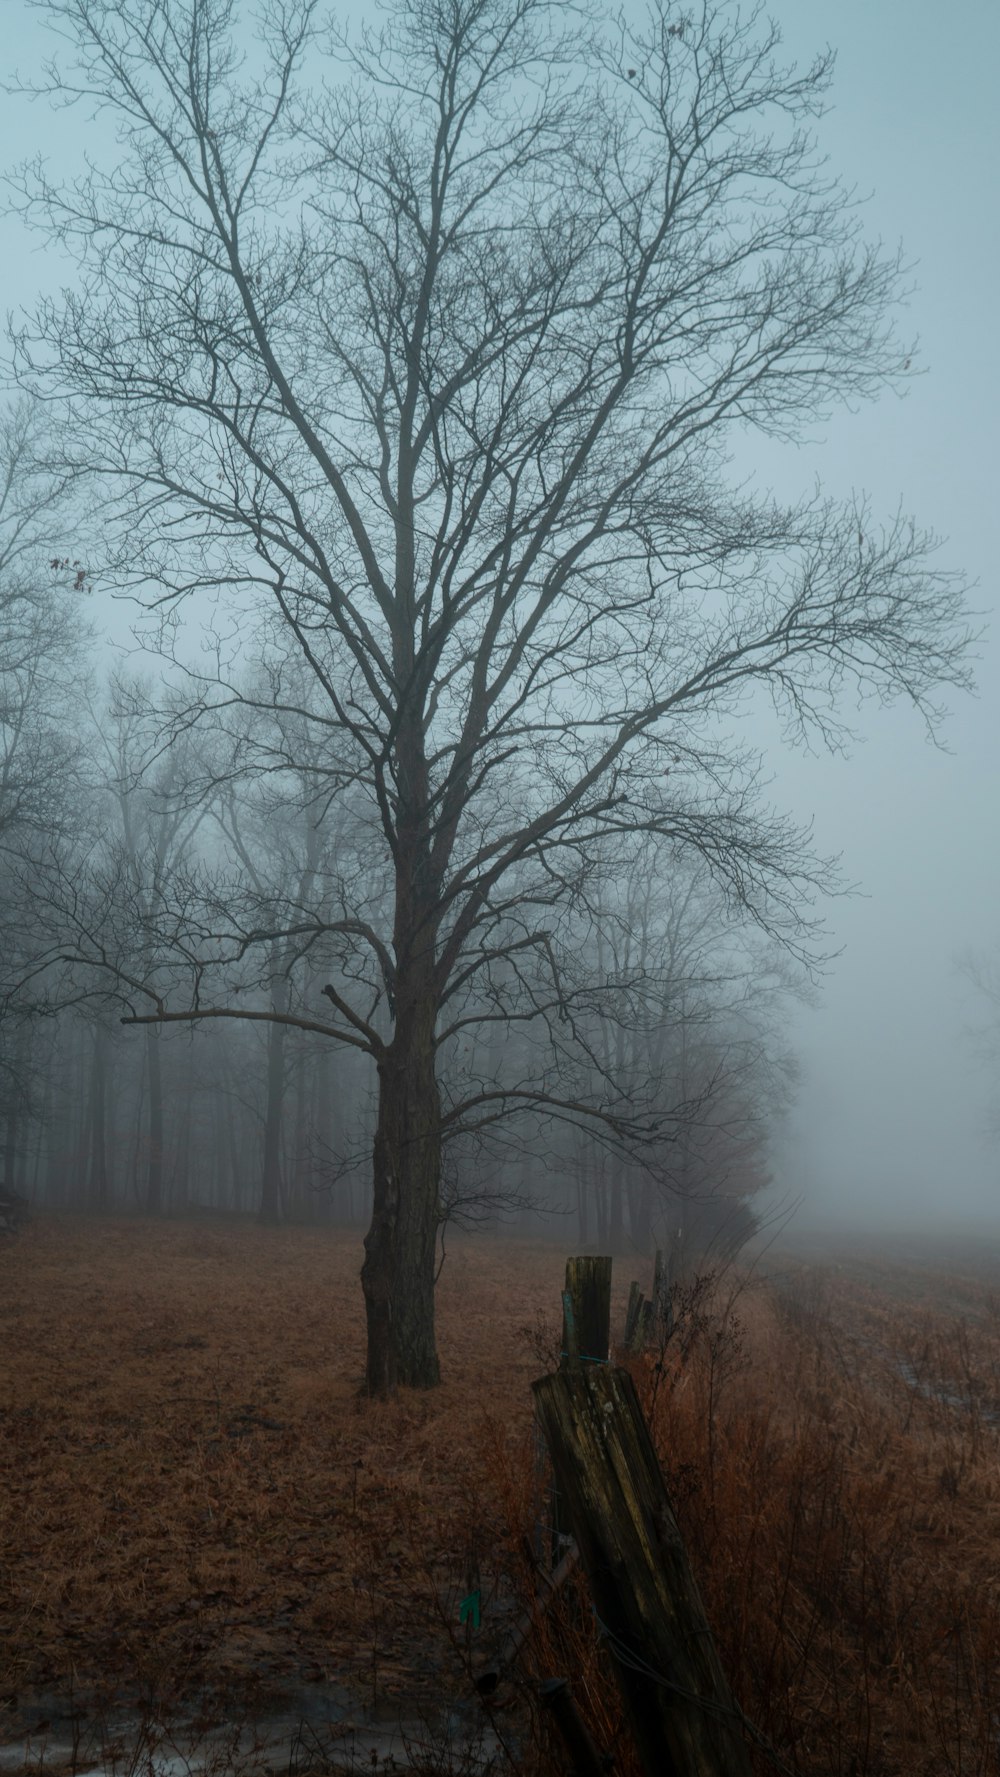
(582, 1217)
(616, 1225)
(99, 1184)
(323, 1085)
(398, 1272)
(640, 1208)
(598, 1173)
(221, 1192)
(182, 1167)
(236, 1167)
(270, 1208)
(10, 1152)
(43, 1128)
(154, 1177)
(300, 1202)
(270, 1193)
(60, 1127)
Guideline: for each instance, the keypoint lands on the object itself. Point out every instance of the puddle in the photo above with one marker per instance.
(930, 1390)
(319, 1731)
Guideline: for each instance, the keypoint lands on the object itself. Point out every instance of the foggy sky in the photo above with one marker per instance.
(892, 1108)
(892, 1105)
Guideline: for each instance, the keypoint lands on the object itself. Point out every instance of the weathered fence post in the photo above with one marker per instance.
(647, 1604)
(633, 1317)
(586, 1312)
(557, 1698)
(655, 1318)
(490, 1674)
(663, 1308)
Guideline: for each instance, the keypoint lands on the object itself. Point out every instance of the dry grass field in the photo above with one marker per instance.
(197, 1508)
(194, 1498)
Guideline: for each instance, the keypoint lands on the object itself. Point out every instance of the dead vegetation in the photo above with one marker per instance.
(193, 1494)
(195, 1505)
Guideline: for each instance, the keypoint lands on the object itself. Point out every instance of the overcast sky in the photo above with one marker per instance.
(891, 1112)
(892, 1106)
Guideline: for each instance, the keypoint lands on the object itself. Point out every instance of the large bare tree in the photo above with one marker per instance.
(434, 341)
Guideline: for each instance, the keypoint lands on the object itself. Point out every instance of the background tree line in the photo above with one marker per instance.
(195, 860)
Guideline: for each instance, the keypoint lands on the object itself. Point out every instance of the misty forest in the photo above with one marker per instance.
(395, 901)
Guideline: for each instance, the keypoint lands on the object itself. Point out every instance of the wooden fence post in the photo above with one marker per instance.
(653, 1319)
(586, 1312)
(647, 1604)
(557, 1698)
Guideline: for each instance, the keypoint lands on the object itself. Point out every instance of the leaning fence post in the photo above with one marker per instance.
(633, 1317)
(646, 1602)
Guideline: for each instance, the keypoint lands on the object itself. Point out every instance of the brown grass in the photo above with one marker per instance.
(192, 1495)
(830, 1444)
(195, 1503)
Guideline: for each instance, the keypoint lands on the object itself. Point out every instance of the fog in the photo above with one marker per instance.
(889, 1123)
(891, 1117)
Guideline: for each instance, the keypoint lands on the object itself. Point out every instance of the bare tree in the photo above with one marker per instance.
(982, 970)
(43, 637)
(278, 840)
(438, 358)
(691, 1000)
(153, 829)
(43, 660)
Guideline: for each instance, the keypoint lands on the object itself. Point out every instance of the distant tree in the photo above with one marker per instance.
(687, 1003)
(982, 969)
(146, 844)
(43, 662)
(271, 817)
(43, 635)
(440, 359)
(719, 1016)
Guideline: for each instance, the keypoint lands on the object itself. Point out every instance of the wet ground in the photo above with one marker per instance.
(320, 1728)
